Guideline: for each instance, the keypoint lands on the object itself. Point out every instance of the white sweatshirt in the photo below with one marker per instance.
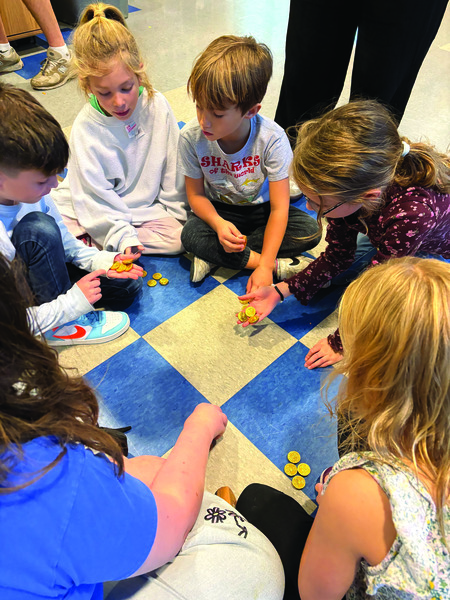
(72, 304)
(117, 180)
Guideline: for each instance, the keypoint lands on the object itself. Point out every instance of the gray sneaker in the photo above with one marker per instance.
(287, 267)
(55, 71)
(200, 269)
(10, 61)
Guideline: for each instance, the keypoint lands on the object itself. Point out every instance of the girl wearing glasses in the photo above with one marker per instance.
(354, 168)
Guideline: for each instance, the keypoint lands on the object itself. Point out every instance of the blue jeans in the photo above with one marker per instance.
(38, 243)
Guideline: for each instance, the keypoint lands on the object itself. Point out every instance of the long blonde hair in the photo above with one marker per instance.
(395, 329)
(101, 38)
(357, 148)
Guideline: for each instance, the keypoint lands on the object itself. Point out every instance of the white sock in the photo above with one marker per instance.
(5, 47)
(63, 50)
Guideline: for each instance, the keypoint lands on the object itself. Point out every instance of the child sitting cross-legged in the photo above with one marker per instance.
(122, 187)
(236, 167)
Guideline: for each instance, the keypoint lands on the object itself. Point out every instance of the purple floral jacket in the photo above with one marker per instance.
(411, 220)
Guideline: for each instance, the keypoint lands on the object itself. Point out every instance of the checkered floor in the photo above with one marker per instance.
(184, 347)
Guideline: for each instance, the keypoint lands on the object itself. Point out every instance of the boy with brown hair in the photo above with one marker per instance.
(33, 149)
(236, 167)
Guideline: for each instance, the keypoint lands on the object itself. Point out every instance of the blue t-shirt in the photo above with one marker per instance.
(75, 527)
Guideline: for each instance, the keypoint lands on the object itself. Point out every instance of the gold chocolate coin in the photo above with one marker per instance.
(151, 283)
(303, 469)
(163, 281)
(157, 276)
(298, 482)
(293, 456)
(290, 469)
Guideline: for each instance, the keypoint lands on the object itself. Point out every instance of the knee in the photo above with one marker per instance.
(37, 226)
(132, 286)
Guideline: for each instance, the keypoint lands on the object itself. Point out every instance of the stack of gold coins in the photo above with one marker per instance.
(247, 313)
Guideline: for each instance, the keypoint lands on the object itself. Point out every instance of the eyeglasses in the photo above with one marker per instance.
(325, 212)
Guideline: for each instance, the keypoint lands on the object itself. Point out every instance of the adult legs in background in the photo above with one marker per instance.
(224, 556)
(284, 522)
(319, 44)
(38, 244)
(393, 39)
(55, 68)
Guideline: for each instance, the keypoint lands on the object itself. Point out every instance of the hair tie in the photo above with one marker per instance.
(406, 148)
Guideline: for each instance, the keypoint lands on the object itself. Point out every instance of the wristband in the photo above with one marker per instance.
(279, 292)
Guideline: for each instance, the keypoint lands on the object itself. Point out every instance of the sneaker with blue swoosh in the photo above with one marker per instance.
(95, 327)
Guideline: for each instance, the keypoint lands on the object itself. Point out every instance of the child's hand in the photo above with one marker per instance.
(264, 300)
(90, 286)
(260, 277)
(135, 272)
(318, 488)
(210, 416)
(321, 355)
(230, 237)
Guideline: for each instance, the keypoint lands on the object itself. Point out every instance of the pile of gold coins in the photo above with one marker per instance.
(297, 470)
(122, 265)
(247, 313)
(155, 278)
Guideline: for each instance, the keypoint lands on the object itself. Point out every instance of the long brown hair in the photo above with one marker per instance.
(356, 148)
(395, 396)
(37, 396)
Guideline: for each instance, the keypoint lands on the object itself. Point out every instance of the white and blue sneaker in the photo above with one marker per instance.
(95, 327)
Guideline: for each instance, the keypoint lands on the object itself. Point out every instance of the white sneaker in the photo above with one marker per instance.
(95, 327)
(55, 71)
(200, 269)
(287, 267)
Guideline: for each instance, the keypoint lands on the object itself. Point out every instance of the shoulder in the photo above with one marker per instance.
(157, 102)
(191, 130)
(268, 128)
(357, 504)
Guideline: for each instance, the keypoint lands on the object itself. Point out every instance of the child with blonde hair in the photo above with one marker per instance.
(236, 165)
(355, 168)
(122, 187)
(382, 529)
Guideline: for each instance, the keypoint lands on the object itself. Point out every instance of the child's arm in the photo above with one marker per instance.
(177, 484)
(354, 521)
(273, 235)
(229, 235)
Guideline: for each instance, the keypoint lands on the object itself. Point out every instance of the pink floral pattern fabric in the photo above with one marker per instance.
(411, 220)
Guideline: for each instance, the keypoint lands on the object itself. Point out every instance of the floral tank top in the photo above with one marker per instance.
(418, 563)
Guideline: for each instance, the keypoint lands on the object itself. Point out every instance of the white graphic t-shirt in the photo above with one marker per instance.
(243, 177)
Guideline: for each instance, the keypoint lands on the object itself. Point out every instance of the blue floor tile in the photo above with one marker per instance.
(282, 410)
(157, 304)
(155, 404)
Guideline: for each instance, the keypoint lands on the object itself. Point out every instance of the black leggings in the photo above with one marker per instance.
(284, 522)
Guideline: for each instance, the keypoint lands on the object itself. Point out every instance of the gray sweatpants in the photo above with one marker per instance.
(223, 557)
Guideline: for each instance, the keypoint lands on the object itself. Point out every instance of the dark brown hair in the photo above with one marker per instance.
(232, 71)
(30, 137)
(37, 396)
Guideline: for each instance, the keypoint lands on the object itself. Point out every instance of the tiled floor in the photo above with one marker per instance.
(184, 346)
